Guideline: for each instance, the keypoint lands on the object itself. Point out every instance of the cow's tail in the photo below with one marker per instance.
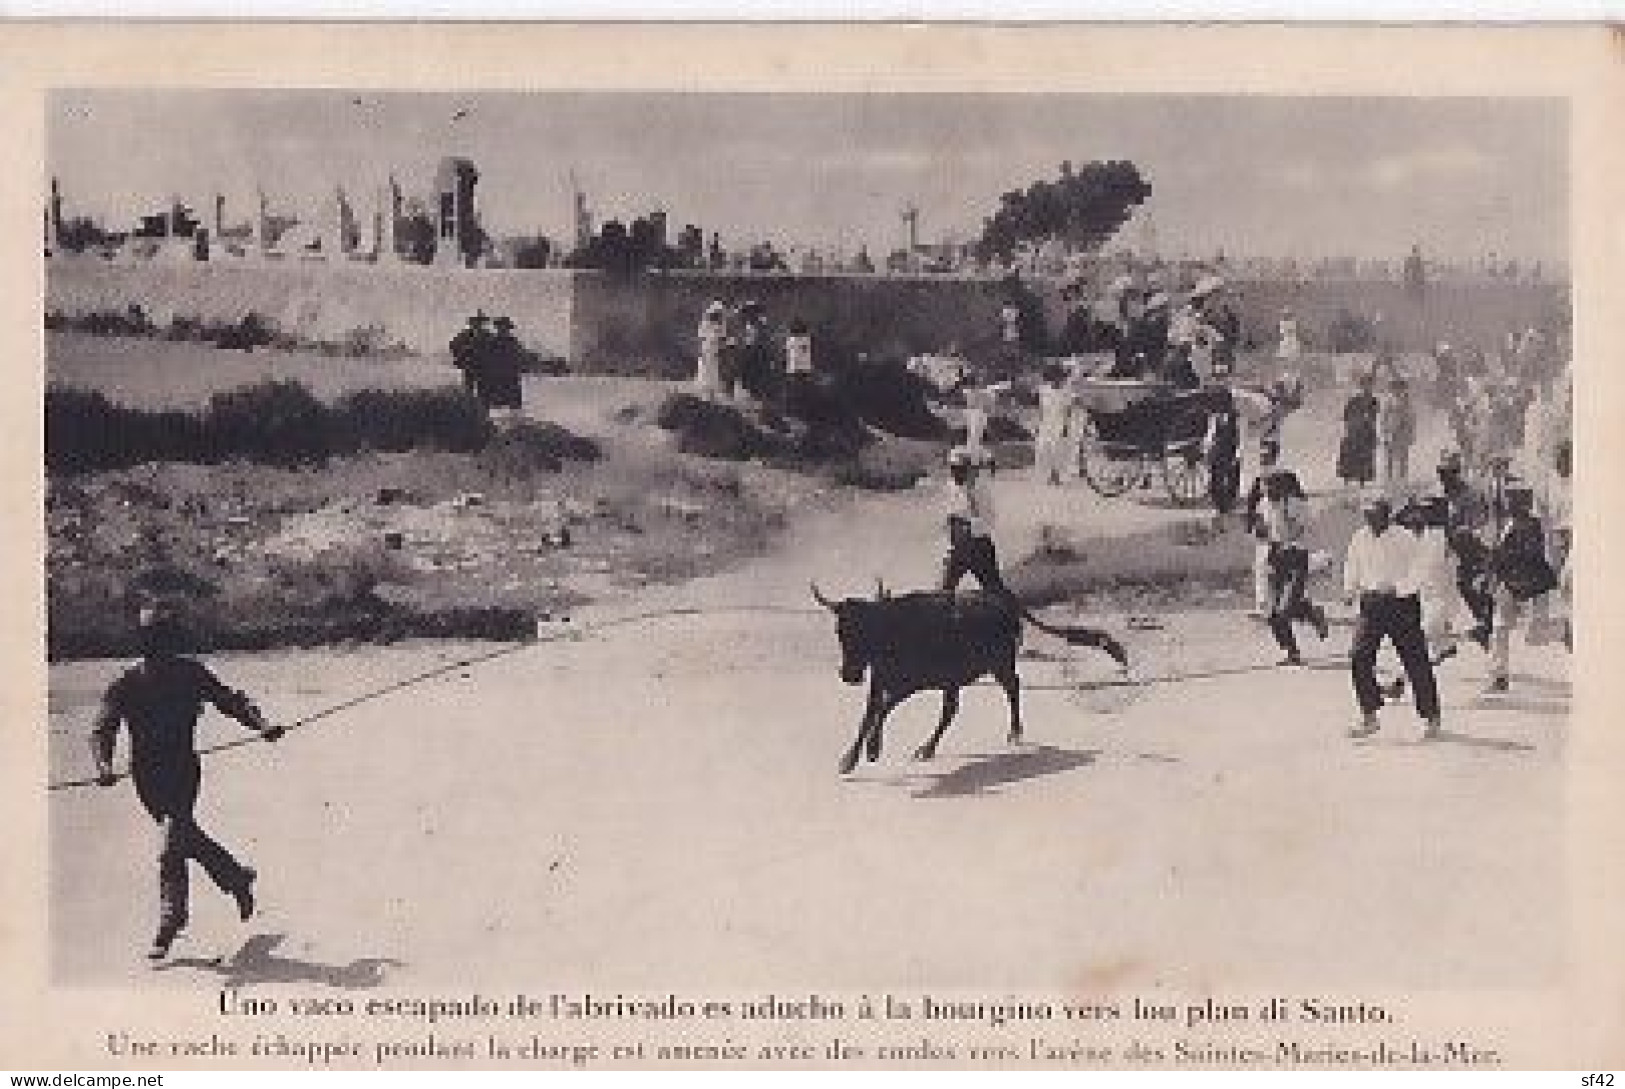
(1079, 636)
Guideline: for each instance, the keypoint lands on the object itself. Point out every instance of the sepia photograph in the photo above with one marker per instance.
(1195, 466)
(1019, 559)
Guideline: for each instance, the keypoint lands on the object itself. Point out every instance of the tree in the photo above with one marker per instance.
(1083, 208)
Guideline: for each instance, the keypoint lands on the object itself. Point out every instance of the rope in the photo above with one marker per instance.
(464, 663)
(644, 616)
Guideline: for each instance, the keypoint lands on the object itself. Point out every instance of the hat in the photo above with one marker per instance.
(973, 456)
(159, 629)
(1120, 284)
(1207, 285)
(504, 322)
(478, 318)
(1450, 459)
(1158, 299)
(716, 307)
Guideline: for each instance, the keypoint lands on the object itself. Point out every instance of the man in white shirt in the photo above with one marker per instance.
(970, 521)
(1382, 576)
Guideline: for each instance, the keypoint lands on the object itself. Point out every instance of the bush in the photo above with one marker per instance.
(398, 420)
(247, 333)
(84, 432)
(531, 448)
(886, 467)
(713, 430)
(889, 396)
(282, 423)
(273, 422)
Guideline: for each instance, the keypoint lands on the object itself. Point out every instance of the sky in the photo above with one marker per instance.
(1248, 174)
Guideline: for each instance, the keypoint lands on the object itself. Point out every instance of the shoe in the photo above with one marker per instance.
(1497, 686)
(1433, 730)
(1394, 690)
(167, 933)
(1318, 618)
(1445, 654)
(1481, 636)
(244, 895)
(1291, 660)
(1367, 726)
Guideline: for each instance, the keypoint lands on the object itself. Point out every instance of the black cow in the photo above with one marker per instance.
(937, 640)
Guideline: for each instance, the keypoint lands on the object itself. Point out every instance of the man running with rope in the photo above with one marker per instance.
(159, 699)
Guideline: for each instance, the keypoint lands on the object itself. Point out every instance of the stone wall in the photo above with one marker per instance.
(646, 325)
(414, 305)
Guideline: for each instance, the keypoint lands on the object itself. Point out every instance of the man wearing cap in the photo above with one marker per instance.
(1466, 522)
(755, 352)
(505, 362)
(1285, 524)
(468, 352)
(1381, 577)
(1522, 574)
(1221, 446)
(970, 521)
(158, 700)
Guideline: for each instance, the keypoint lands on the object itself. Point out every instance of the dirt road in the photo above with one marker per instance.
(656, 805)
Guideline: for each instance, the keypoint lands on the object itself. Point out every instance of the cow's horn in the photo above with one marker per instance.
(819, 597)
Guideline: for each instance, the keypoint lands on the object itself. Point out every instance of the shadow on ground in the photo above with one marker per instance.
(256, 962)
(986, 774)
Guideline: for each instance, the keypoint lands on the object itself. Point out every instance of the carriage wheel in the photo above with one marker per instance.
(1107, 475)
(1184, 472)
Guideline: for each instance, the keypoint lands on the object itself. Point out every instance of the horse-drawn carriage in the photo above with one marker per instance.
(1137, 433)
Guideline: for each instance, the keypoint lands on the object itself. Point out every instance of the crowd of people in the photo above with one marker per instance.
(1184, 341)
(1470, 552)
(741, 360)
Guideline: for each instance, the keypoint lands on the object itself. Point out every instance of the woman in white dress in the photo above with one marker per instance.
(1291, 346)
(1052, 446)
(713, 333)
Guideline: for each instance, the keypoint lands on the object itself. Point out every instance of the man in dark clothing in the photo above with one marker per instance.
(468, 350)
(1284, 520)
(1521, 574)
(159, 700)
(1467, 522)
(755, 358)
(505, 362)
(1223, 449)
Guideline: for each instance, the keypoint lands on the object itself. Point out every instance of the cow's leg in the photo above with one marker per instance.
(950, 707)
(872, 713)
(877, 727)
(1010, 681)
